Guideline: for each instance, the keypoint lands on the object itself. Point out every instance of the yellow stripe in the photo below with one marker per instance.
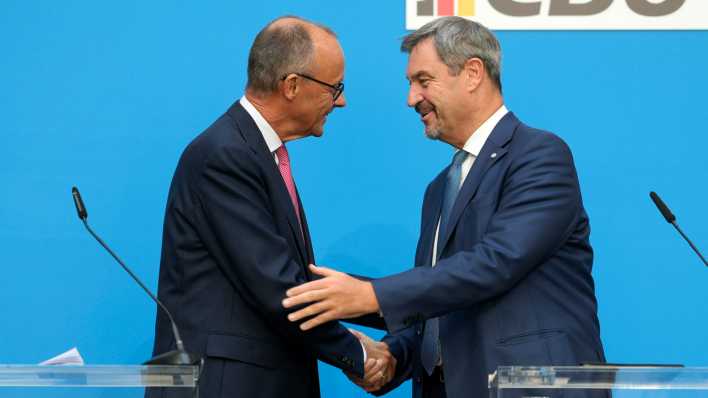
(465, 8)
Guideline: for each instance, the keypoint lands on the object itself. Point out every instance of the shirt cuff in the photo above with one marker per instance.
(364, 350)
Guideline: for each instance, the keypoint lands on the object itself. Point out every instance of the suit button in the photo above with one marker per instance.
(418, 332)
(418, 380)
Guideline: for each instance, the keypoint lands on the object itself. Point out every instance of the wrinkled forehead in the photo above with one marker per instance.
(424, 60)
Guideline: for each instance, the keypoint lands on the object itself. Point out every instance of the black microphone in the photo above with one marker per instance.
(174, 357)
(80, 208)
(671, 219)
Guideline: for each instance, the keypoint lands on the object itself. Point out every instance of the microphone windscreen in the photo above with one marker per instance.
(668, 215)
(80, 208)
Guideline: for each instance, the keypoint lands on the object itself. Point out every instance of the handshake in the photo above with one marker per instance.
(380, 365)
(334, 296)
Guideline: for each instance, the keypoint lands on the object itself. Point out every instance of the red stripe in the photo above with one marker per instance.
(446, 7)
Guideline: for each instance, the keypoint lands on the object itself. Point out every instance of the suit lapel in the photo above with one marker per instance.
(493, 150)
(431, 215)
(280, 196)
(309, 257)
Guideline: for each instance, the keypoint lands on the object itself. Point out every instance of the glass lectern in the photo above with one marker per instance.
(598, 381)
(26, 379)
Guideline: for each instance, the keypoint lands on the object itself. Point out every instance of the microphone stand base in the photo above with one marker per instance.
(174, 357)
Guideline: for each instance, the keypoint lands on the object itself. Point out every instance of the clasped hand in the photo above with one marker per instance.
(340, 296)
(380, 365)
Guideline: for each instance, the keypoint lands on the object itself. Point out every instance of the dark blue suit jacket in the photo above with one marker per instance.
(513, 284)
(231, 248)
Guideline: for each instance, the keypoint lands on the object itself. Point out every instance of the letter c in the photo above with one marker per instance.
(516, 9)
(566, 8)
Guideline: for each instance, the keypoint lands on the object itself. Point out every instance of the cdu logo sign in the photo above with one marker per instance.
(566, 14)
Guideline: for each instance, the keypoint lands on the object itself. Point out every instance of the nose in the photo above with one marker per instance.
(414, 96)
(341, 102)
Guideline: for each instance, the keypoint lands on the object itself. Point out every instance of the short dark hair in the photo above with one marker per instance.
(279, 50)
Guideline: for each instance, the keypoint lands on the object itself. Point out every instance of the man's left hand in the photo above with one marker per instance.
(336, 296)
(380, 366)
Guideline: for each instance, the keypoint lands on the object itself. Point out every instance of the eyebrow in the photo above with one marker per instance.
(418, 75)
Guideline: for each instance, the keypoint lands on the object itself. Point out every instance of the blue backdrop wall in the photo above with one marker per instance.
(105, 95)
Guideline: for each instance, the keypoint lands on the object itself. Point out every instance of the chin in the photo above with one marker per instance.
(318, 130)
(432, 133)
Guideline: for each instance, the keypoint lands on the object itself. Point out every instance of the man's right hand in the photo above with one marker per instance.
(380, 365)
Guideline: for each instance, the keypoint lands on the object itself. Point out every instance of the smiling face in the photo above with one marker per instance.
(329, 68)
(437, 95)
(315, 100)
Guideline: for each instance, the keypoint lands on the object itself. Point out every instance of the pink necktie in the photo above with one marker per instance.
(284, 166)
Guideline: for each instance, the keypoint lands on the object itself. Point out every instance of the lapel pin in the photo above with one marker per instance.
(494, 155)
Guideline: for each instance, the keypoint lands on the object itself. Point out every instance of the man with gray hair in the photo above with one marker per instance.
(503, 264)
(236, 237)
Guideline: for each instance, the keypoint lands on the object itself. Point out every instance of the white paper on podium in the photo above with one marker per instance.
(71, 357)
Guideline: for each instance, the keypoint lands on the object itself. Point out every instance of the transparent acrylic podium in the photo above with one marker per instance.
(598, 381)
(25, 378)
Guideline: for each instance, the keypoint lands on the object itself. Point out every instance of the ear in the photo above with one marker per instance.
(290, 86)
(473, 71)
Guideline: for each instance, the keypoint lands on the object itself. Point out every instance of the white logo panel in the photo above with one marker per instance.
(566, 14)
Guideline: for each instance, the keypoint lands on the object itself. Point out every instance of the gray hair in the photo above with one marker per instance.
(280, 50)
(456, 40)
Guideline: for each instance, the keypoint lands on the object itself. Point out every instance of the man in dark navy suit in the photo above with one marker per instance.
(503, 264)
(236, 236)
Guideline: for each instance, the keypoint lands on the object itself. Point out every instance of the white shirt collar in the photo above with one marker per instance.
(476, 141)
(271, 138)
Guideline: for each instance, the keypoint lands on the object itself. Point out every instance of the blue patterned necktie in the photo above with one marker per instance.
(430, 348)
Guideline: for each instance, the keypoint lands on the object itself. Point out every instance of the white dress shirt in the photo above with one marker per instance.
(271, 138)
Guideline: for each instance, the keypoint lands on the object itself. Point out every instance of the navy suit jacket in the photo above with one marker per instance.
(232, 246)
(513, 282)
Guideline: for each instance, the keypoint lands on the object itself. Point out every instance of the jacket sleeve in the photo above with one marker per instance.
(537, 211)
(375, 321)
(235, 221)
(405, 347)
